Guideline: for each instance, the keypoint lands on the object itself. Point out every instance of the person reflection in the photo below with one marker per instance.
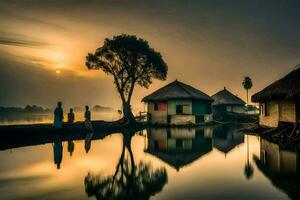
(88, 141)
(71, 147)
(58, 151)
(130, 180)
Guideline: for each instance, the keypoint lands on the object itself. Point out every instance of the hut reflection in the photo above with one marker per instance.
(226, 138)
(130, 180)
(281, 166)
(178, 147)
(181, 146)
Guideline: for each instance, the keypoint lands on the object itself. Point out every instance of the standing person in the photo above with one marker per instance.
(87, 122)
(58, 116)
(71, 116)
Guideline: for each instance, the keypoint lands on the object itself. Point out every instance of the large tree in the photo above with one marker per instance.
(130, 61)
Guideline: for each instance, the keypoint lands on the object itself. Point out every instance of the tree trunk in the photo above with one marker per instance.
(128, 116)
(247, 97)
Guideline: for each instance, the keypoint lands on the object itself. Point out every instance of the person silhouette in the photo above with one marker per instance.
(87, 122)
(58, 116)
(71, 116)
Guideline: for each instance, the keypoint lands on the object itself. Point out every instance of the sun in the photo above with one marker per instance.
(57, 71)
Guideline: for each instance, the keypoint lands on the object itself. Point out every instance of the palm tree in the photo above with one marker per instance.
(247, 84)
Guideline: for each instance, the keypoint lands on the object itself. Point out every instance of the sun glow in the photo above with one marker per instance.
(57, 71)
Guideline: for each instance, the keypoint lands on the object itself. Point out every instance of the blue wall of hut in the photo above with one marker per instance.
(201, 108)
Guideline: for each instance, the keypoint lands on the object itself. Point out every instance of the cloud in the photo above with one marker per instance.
(13, 39)
(21, 42)
(11, 16)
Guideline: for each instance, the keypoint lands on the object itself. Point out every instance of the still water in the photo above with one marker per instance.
(217, 162)
(29, 118)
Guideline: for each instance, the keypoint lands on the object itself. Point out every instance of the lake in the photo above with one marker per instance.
(30, 118)
(215, 162)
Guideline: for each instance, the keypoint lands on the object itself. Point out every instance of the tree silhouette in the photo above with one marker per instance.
(131, 61)
(247, 84)
(129, 181)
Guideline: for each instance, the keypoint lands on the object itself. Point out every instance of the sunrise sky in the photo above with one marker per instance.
(208, 44)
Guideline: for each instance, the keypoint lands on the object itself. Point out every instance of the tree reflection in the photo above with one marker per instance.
(130, 181)
(248, 170)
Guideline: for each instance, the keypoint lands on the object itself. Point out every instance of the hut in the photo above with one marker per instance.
(228, 102)
(178, 104)
(280, 101)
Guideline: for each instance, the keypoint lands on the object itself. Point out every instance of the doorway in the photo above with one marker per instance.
(179, 109)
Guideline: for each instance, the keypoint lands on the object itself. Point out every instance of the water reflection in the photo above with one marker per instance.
(88, 141)
(248, 170)
(130, 180)
(202, 163)
(179, 147)
(226, 137)
(281, 166)
(58, 151)
(71, 146)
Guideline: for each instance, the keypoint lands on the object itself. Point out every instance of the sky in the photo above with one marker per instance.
(207, 44)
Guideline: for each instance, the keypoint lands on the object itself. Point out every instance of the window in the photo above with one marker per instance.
(183, 109)
(262, 109)
(160, 106)
(179, 109)
(265, 109)
(264, 157)
(186, 109)
(179, 143)
(155, 106)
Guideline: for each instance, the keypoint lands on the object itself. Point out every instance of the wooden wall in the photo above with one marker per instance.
(287, 111)
(172, 106)
(283, 111)
(157, 116)
(273, 118)
(201, 108)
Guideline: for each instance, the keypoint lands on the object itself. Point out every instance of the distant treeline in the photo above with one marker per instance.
(40, 109)
(26, 109)
(96, 108)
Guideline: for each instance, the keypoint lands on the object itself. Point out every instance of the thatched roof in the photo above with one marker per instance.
(224, 97)
(287, 88)
(177, 90)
